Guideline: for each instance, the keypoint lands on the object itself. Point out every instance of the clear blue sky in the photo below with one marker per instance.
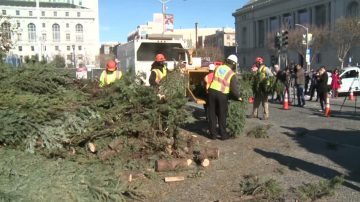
(120, 17)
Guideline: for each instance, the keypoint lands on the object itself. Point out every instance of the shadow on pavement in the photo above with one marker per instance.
(296, 164)
(341, 147)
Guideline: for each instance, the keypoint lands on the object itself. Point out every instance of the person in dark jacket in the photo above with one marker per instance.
(314, 85)
(322, 87)
(158, 70)
(300, 85)
(223, 84)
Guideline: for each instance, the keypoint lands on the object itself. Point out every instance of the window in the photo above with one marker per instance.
(261, 33)
(32, 32)
(78, 14)
(79, 32)
(80, 3)
(18, 24)
(30, 13)
(69, 57)
(6, 30)
(288, 21)
(68, 48)
(55, 14)
(67, 36)
(274, 24)
(79, 48)
(17, 12)
(67, 25)
(20, 48)
(4, 12)
(32, 48)
(320, 15)
(352, 9)
(57, 48)
(42, 13)
(44, 48)
(56, 32)
(44, 36)
(19, 36)
(303, 17)
(350, 74)
(67, 14)
(43, 25)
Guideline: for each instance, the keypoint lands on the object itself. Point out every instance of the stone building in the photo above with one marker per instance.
(69, 28)
(259, 17)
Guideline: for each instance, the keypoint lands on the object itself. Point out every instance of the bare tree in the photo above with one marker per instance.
(7, 32)
(214, 53)
(319, 38)
(346, 34)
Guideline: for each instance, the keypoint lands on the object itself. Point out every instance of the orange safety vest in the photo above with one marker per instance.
(208, 79)
(222, 78)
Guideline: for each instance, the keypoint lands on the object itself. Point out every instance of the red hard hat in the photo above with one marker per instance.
(259, 60)
(159, 57)
(111, 65)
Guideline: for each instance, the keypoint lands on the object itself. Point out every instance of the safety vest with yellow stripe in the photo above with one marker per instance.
(159, 75)
(222, 78)
(108, 78)
(262, 72)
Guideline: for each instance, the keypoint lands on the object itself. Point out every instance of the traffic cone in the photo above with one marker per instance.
(251, 99)
(327, 108)
(351, 95)
(286, 101)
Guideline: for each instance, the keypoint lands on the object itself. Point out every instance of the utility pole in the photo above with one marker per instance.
(163, 2)
(196, 35)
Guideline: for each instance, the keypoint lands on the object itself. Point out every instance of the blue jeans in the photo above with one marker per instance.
(300, 95)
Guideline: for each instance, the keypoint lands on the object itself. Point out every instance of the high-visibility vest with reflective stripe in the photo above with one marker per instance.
(108, 78)
(208, 79)
(262, 72)
(159, 75)
(222, 78)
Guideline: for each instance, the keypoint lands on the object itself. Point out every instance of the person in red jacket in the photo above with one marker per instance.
(335, 83)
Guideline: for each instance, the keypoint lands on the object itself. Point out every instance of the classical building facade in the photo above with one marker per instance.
(69, 28)
(258, 18)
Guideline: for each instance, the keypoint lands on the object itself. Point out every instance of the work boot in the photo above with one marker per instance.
(213, 137)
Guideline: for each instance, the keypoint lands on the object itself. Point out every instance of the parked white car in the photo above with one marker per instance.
(349, 76)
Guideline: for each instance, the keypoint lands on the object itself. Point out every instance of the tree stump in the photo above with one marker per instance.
(171, 165)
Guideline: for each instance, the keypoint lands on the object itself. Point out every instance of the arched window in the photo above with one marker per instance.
(32, 32)
(352, 9)
(79, 32)
(56, 32)
(6, 30)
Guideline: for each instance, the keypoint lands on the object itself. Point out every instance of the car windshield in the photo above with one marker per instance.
(341, 71)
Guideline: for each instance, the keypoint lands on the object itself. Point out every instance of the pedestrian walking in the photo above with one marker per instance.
(263, 73)
(279, 83)
(335, 83)
(223, 83)
(322, 88)
(300, 85)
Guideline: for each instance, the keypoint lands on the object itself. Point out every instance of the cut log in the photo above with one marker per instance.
(171, 165)
(92, 147)
(205, 163)
(174, 179)
(211, 153)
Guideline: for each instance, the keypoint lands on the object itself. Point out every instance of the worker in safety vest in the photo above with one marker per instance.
(222, 84)
(109, 75)
(208, 79)
(158, 70)
(260, 98)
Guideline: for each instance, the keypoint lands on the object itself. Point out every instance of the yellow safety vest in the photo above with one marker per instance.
(222, 78)
(108, 78)
(159, 75)
(262, 72)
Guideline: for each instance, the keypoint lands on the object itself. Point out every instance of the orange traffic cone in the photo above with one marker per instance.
(351, 95)
(327, 108)
(251, 99)
(286, 101)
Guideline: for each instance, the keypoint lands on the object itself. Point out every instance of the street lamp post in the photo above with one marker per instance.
(73, 47)
(307, 45)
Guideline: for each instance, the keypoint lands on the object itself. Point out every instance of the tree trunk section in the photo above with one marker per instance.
(171, 165)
